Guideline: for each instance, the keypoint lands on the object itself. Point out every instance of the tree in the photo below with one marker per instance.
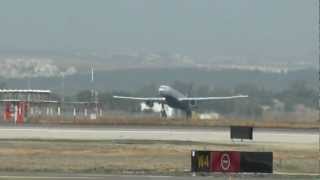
(84, 95)
(298, 92)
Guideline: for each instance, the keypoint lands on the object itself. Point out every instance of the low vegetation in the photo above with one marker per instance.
(151, 157)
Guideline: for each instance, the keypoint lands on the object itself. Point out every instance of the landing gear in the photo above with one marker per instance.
(188, 114)
(163, 112)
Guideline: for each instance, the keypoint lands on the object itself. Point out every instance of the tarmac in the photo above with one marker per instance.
(210, 135)
(309, 137)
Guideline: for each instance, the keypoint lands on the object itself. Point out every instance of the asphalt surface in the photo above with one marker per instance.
(211, 135)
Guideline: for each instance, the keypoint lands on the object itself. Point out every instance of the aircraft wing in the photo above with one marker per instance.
(211, 98)
(155, 99)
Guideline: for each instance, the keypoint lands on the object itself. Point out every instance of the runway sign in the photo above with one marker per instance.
(225, 161)
(238, 132)
(231, 161)
(259, 162)
(200, 161)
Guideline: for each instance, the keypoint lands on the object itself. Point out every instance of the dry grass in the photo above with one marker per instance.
(154, 121)
(90, 157)
(122, 156)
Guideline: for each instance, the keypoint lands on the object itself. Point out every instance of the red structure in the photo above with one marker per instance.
(21, 112)
(16, 103)
(15, 111)
(8, 111)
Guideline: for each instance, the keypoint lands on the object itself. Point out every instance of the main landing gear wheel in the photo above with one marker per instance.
(188, 114)
(163, 112)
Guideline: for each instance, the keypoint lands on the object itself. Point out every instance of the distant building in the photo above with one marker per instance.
(18, 104)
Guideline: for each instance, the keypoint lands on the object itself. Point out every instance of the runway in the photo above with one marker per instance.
(302, 137)
(210, 135)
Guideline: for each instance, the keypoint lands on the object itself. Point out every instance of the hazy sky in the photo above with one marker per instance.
(197, 27)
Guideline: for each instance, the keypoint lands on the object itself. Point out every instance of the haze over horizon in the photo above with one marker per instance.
(246, 27)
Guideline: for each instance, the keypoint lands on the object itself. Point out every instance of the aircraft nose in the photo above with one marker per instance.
(162, 90)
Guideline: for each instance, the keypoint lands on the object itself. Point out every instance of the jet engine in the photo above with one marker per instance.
(193, 103)
(149, 104)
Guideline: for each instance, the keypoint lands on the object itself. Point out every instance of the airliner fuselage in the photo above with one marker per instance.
(176, 99)
(172, 97)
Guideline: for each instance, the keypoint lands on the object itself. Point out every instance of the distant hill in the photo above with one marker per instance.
(81, 60)
(133, 79)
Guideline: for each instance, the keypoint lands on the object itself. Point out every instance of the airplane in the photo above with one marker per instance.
(175, 99)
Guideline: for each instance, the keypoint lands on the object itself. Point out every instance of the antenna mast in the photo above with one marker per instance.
(94, 93)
